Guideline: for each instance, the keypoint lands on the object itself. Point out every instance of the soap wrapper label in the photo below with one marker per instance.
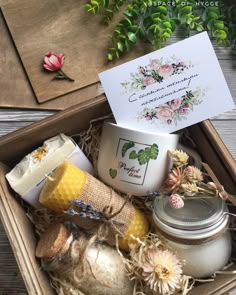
(28, 177)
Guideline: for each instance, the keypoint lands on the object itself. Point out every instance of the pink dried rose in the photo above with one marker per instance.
(174, 179)
(148, 81)
(166, 71)
(176, 201)
(164, 113)
(155, 64)
(175, 103)
(54, 63)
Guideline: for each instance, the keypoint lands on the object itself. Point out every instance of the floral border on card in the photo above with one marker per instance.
(174, 110)
(156, 72)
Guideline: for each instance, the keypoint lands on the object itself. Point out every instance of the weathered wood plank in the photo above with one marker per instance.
(6, 127)
(16, 115)
(10, 279)
(227, 131)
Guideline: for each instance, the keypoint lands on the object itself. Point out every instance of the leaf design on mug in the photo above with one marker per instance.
(149, 153)
(143, 157)
(113, 173)
(154, 151)
(126, 147)
(133, 155)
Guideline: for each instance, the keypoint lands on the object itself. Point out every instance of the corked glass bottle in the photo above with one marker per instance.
(92, 269)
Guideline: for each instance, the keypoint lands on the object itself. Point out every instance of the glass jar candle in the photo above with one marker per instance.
(197, 233)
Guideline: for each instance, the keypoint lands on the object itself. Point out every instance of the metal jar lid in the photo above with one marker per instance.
(199, 218)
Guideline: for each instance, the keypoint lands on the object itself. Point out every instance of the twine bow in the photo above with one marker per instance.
(109, 221)
(217, 186)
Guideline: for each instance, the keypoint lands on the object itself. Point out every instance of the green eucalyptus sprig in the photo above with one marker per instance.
(156, 21)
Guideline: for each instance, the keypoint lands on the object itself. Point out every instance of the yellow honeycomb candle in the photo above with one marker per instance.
(138, 227)
(64, 185)
(69, 183)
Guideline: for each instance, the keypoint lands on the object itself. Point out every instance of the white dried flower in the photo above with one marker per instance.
(162, 271)
(193, 174)
(189, 188)
(179, 158)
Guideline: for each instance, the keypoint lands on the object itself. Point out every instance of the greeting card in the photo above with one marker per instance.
(170, 88)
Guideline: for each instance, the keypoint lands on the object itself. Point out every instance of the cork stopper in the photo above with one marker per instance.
(52, 242)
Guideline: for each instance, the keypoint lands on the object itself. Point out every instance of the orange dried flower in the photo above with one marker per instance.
(40, 153)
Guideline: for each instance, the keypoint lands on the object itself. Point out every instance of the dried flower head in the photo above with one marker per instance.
(179, 158)
(174, 179)
(176, 201)
(162, 271)
(189, 188)
(193, 174)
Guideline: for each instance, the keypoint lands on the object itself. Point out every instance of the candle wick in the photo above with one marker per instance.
(50, 178)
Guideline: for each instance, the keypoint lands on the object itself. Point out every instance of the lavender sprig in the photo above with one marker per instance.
(84, 210)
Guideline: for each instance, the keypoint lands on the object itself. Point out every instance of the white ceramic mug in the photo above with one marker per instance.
(134, 161)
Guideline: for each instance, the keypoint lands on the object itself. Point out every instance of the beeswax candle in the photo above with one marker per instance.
(68, 183)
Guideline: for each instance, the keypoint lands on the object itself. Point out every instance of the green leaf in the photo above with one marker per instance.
(94, 3)
(131, 37)
(126, 147)
(210, 25)
(154, 151)
(143, 158)
(157, 20)
(120, 46)
(127, 45)
(212, 15)
(127, 13)
(213, 9)
(128, 21)
(141, 33)
(113, 173)
(88, 7)
(167, 25)
(166, 35)
(110, 57)
(169, 31)
(186, 10)
(162, 9)
(219, 25)
(133, 28)
(199, 28)
(220, 34)
(133, 155)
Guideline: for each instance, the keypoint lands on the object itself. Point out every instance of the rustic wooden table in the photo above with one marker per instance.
(12, 119)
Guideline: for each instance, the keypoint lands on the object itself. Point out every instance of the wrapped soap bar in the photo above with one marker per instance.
(77, 193)
(94, 270)
(28, 176)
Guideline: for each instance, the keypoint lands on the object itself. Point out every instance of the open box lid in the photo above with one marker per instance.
(24, 82)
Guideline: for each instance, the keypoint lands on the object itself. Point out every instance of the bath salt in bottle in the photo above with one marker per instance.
(96, 269)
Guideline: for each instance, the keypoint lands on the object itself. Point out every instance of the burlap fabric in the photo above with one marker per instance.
(102, 198)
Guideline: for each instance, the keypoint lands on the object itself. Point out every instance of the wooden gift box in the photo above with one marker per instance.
(72, 121)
